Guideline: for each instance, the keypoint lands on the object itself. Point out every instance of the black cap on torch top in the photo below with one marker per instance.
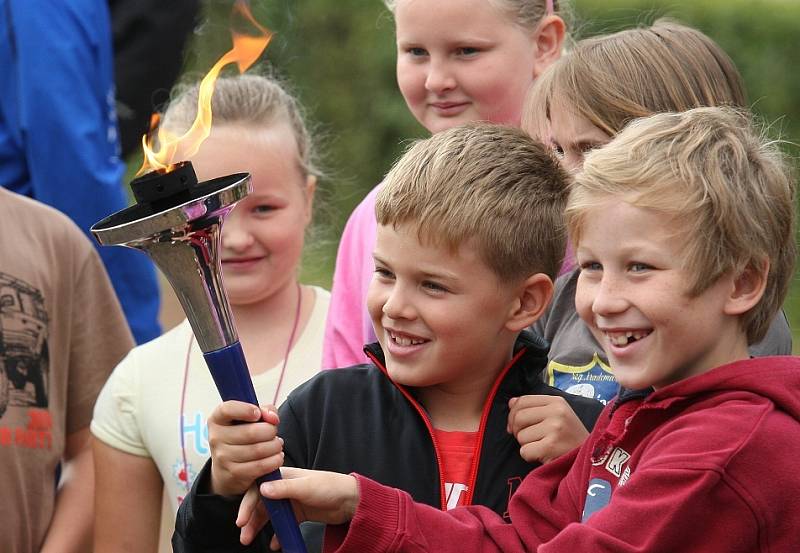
(163, 189)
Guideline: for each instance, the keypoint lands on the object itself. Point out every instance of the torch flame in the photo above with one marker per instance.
(247, 48)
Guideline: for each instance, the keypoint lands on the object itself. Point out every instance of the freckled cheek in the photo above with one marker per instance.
(659, 306)
(584, 297)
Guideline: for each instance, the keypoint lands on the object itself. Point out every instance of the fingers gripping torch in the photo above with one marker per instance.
(177, 222)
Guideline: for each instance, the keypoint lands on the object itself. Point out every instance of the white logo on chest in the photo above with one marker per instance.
(617, 460)
(453, 492)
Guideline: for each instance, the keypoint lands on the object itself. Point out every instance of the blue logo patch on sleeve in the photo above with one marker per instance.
(598, 495)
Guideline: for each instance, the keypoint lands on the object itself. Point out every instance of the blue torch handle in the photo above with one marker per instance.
(229, 371)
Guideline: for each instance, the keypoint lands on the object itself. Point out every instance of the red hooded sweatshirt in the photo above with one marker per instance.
(709, 463)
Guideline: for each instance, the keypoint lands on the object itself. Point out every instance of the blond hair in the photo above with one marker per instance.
(611, 80)
(249, 99)
(729, 189)
(524, 13)
(486, 183)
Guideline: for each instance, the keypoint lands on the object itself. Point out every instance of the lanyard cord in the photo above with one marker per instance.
(184, 476)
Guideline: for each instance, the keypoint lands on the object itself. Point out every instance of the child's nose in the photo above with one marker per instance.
(609, 297)
(440, 77)
(573, 162)
(235, 236)
(397, 305)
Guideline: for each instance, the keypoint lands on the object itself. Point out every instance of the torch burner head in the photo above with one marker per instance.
(164, 188)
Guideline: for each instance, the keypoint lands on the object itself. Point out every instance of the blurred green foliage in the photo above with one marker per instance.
(338, 56)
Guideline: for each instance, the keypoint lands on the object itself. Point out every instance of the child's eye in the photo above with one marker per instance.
(263, 208)
(557, 150)
(417, 52)
(639, 267)
(591, 266)
(434, 286)
(383, 273)
(467, 51)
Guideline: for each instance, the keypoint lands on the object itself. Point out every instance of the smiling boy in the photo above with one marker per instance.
(699, 452)
(633, 295)
(470, 236)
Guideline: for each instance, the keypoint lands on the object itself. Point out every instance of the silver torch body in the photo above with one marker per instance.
(177, 222)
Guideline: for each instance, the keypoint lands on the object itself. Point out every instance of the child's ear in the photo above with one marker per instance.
(531, 301)
(310, 189)
(549, 41)
(747, 289)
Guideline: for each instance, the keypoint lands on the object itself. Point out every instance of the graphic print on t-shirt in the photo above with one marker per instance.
(593, 380)
(194, 448)
(24, 357)
(457, 451)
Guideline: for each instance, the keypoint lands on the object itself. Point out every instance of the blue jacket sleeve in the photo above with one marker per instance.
(63, 121)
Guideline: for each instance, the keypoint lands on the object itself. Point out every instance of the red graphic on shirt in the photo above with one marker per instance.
(36, 434)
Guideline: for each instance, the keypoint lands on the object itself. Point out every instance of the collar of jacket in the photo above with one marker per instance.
(522, 372)
(625, 395)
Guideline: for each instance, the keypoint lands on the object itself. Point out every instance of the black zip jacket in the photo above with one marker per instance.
(358, 420)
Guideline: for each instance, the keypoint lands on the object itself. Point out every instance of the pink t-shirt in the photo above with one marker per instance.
(349, 326)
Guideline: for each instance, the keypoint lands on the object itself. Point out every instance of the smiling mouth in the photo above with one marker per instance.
(241, 260)
(445, 106)
(405, 340)
(626, 337)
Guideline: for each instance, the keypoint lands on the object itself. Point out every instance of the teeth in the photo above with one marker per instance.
(625, 338)
(405, 341)
(617, 339)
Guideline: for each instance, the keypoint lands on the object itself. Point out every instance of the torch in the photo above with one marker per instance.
(177, 222)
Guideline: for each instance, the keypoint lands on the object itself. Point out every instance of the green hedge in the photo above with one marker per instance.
(339, 56)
